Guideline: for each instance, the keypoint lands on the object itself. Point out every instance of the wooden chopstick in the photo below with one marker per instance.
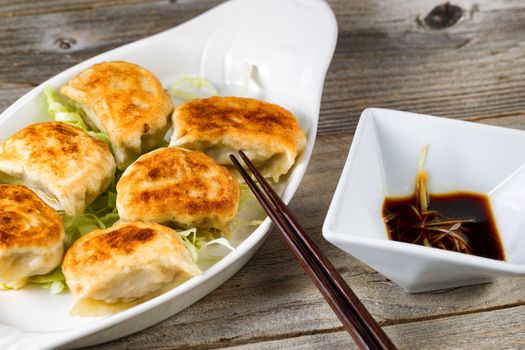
(356, 319)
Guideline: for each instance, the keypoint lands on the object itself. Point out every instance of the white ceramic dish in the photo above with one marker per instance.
(461, 156)
(290, 42)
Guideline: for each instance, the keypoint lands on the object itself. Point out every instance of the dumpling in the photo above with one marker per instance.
(126, 262)
(126, 102)
(31, 236)
(61, 163)
(177, 186)
(269, 135)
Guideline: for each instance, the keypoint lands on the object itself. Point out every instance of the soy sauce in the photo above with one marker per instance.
(480, 232)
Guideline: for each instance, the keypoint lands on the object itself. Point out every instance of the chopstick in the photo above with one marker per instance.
(356, 319)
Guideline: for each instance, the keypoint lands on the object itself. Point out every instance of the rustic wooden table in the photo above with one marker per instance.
(466, 63)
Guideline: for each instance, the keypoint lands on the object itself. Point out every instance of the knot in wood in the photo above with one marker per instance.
(443, 16)
(65, 43)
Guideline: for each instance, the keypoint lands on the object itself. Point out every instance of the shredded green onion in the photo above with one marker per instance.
(421, 179)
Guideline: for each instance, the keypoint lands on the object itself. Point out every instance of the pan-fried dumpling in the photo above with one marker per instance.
(269, 135)
(126, 262)
(126, 102)
(181, 187)
(61, 163)
(31, 236)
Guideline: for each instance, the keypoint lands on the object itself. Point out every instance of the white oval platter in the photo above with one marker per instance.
(290, 44)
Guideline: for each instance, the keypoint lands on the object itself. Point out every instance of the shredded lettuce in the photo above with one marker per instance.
(13, 285)
(63, 112)
(189, 88)
(100, 214)
(189, 237)
(54, 281)
(194, 239)
(202, 244)
(216, 248)
(246, 194)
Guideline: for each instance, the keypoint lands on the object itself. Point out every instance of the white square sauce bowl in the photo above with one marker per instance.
(462, 156)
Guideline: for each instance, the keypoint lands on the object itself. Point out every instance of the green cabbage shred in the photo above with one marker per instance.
(54, 281)
(63, 112)
(100, 214)
(198, 242)
(189, 88)
(196, 239)
(189, 237)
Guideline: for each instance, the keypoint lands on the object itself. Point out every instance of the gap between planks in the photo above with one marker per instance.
(387, 323)
(233, 342)
(496, 116)
(76, 7)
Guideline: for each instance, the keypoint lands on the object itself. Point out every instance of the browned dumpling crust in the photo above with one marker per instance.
(178, 186)
(61, 163)
(126, 262)
(31, 235)
(125, 101)
(270, 135)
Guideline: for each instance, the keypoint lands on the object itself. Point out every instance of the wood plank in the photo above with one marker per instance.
(272, 298)
(475, 68)
(12, 8)
(499, 329)
(393, 62)
(10, 92)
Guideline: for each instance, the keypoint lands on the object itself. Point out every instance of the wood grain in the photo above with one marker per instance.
(385, 57)
(10, 92)
(505, 325)
(14, 8)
